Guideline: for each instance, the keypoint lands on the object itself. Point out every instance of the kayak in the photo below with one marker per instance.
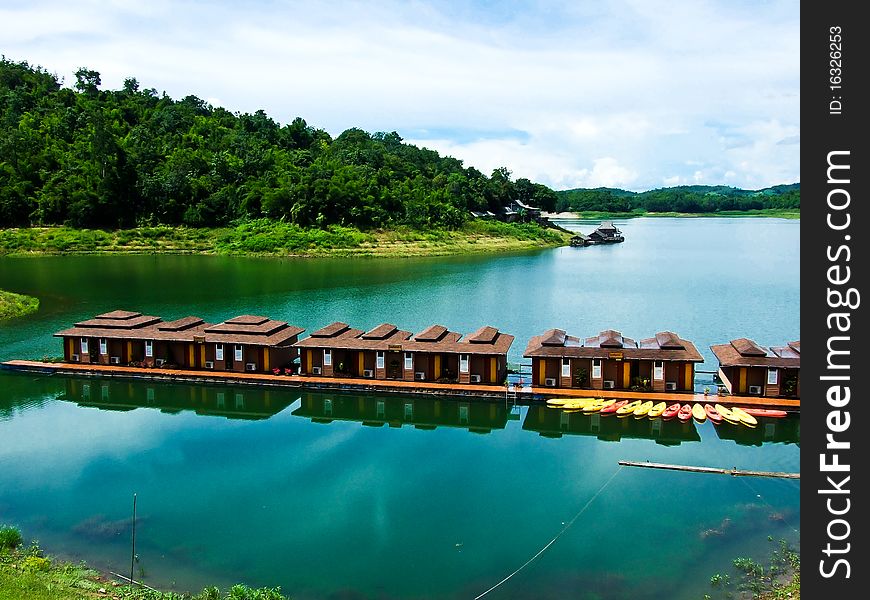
(727, 414)
(612, 408)
(744, 416)
(598, 405)
(643, 409)
(766, 412)
(628, 408)
(712, 414)
(657, 410)
(568, 402)
(685, 413)
(671, 411)
(698, 413)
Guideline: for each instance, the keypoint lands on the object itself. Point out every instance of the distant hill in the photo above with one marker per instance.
(89, 157)
(685, 198)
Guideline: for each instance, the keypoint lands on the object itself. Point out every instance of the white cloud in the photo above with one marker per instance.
(650, 85)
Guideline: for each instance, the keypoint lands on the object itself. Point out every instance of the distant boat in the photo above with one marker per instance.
(606, 233)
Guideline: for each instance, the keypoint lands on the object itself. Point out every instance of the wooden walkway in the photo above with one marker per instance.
(526, 394)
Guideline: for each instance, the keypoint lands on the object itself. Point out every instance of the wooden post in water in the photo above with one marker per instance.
(133, 541)
(735, 472)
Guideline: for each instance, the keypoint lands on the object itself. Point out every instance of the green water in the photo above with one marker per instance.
(349, 496)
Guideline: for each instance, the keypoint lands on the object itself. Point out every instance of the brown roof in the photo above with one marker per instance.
(119, 319)
(484, 335)
(381, 332)
(435, 338)
(746, 347)
(250, 329)
(133, 326)
(739, 353)
(119, 314)
(666, 345)
(610, 338)
(433, 333)
(379, 338)
(554, 337)
(331, 330)
(180, 324)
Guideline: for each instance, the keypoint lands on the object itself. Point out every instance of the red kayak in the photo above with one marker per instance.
(713, 414)
(671, 411)
(612, 408)
(766, 412)
(685, 413)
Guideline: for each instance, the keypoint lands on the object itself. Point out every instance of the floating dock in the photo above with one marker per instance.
(521, 395)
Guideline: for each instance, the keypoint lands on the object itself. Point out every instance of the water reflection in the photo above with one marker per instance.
(477, 416)
(421, 413)
(224, 401)
(551, 422)
(768, 431)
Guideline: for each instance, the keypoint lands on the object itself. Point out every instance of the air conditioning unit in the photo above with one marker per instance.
(755, 390)
(209, 364)
(671, 386)
(315, 370)
(420, 376)
(160, 362)
(475, 379)
(609, 384)
(368, 373)
(115, 360)
(74, 357)
(550, 382)
(250, 366)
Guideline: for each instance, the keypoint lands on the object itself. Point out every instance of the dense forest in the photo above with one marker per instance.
(88, 157)
(684, 199)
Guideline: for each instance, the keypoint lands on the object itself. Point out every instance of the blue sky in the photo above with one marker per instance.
(635, 94)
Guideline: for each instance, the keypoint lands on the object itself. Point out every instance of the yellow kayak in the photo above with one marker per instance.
(699, 413)
(568, 402)
(727, 414)
(628, 408)
(596, 406)
(744, 417)
(643, 409)
(657, 410)
(558, 401)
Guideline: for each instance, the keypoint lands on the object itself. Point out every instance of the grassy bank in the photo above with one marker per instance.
(16, 305)
(780, 579)
(778, 213)
(25, 572)
(276, 238)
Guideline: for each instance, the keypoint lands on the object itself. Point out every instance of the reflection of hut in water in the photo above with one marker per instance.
(768, 431)
(232, 403)
(422, 413)
(551, 422)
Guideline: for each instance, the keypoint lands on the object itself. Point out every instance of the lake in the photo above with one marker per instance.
(360, 496)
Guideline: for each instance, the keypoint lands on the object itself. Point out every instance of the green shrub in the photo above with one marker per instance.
(10, 537)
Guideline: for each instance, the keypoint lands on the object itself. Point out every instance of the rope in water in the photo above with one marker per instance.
(770, 506)
(553, 541)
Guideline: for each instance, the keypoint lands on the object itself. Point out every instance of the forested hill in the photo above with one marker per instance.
(89, 157)
(685, 199)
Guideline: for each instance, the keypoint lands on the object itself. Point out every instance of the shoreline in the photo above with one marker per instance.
(280, 240)
(14, 305)
(768, 213)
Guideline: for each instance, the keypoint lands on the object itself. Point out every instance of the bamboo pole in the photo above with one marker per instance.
(692, 469)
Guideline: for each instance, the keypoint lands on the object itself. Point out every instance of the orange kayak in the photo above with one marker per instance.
(613, 407)
(685, 413)
(671, 411)
(766, 412)
(713, 414)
